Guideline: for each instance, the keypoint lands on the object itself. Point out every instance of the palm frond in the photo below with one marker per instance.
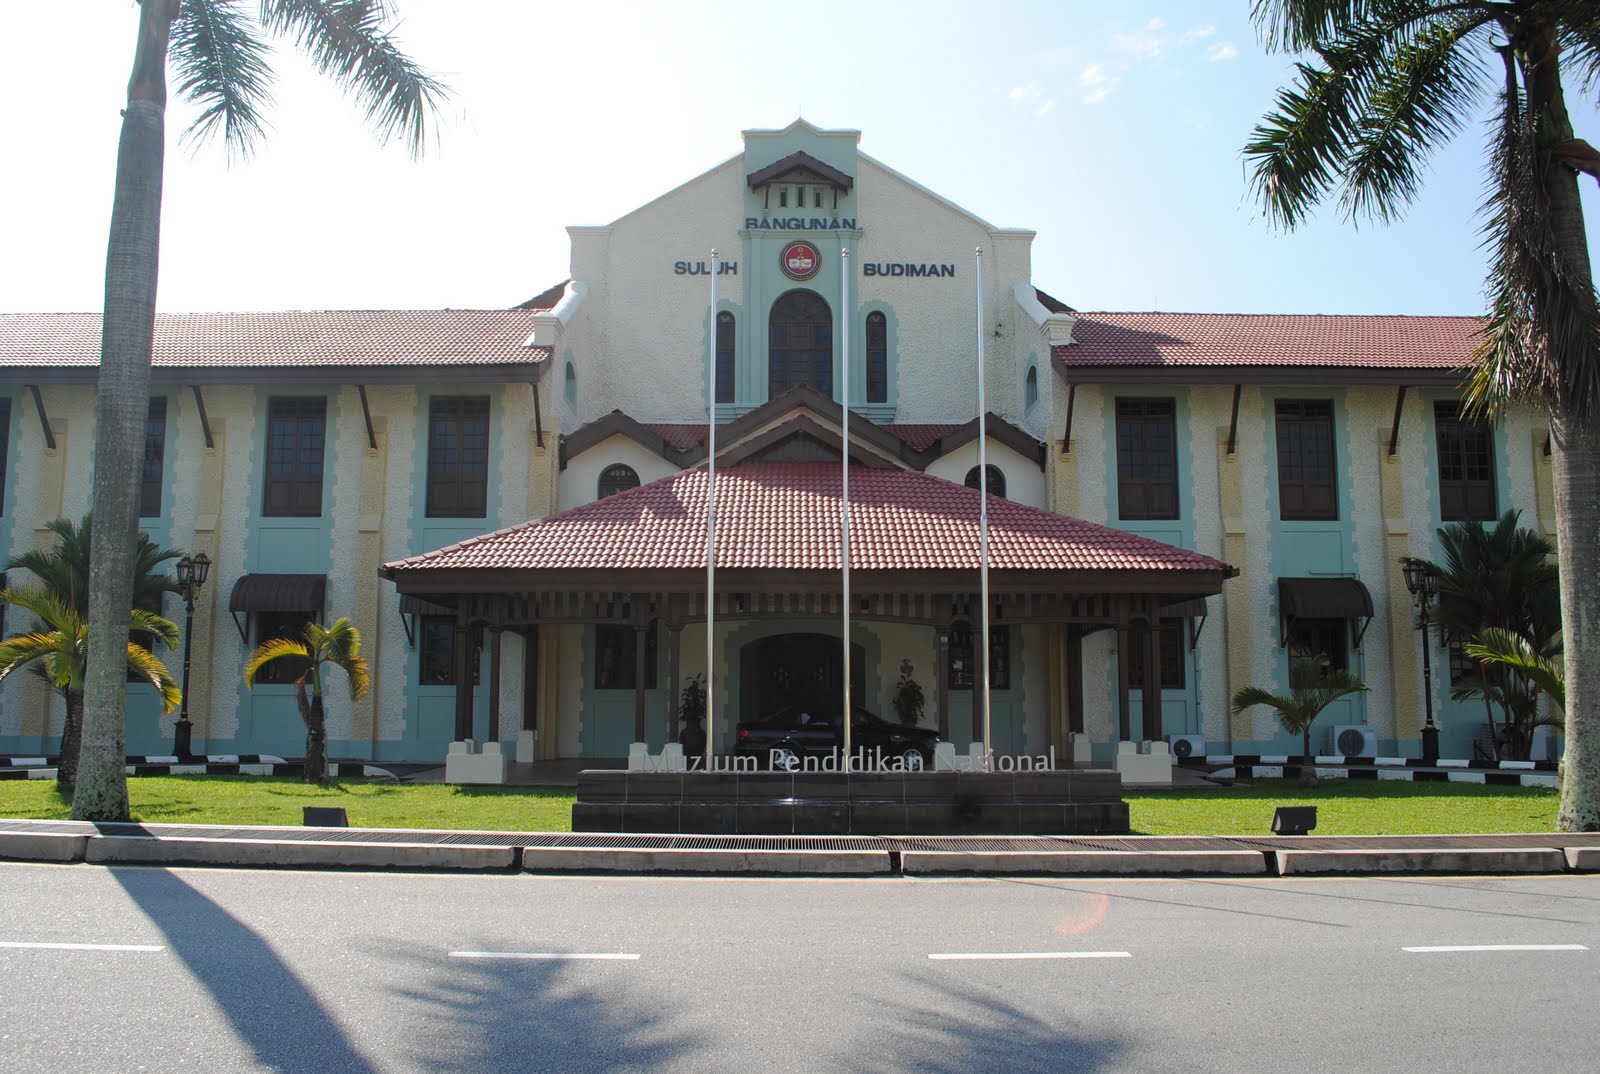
(1580, 40)
(339, 644)
(143, 622)
(24, 649)
(1422, 101)
(349, 40)
(149, 668)
(1504, 648)
(268, 651)
(1298, 25)
(45, 606)
(221, 62)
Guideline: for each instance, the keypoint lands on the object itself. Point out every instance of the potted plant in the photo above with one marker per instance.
(692, 711)
(908, 697)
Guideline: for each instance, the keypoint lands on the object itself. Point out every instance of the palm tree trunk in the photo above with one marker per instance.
(1576, 440)
(71, 738)
(1308, 774)
(121, 403)
(316, 741)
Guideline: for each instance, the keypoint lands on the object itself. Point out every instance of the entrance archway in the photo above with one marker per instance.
(798, 669)
(799, 343)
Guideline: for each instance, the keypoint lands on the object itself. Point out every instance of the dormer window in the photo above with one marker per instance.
(801, 181)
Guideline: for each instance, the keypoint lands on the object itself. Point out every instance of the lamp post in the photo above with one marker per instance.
(192, 571)
(1423, 585)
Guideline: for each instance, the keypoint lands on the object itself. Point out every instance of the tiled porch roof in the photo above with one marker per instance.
(785, 517)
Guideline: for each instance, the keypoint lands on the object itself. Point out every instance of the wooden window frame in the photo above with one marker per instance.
(284, 477)
(877, 337)
(1328, 638)
(614, 656)
(613, 480)
(1300, 428)
(458, 456)
(726, 386)
(436, 651)
(962, 656)
(1466, 465)
(997, 480)
(152, 476)
(270, 625)
(815, 353)
(1141, 492)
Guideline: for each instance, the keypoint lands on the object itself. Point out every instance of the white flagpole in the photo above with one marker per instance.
(846, 320)
(711, 522)
(983, 531)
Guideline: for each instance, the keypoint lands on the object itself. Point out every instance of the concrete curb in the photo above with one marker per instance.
(134, 850)
(1456, 861)
(28, 846)
(625, 860)
(1087, 862)
(1583, 859)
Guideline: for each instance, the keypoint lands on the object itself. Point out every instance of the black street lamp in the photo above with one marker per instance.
(1423, 585)
(192, 571)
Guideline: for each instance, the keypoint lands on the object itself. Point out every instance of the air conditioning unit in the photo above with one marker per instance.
(1353, 741)
(1186, 746)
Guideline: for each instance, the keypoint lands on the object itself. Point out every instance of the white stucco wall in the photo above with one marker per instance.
(1025, 482)
(580, 480)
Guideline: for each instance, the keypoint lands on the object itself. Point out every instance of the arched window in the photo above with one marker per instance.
(616, 478)
(724, 357)
(800, 344)
(997, 480)
(1030, 387)
(877, 358)
(570, 386)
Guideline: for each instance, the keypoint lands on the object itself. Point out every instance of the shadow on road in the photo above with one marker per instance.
(967, 1031)
(270, 1008)
(490, 1016)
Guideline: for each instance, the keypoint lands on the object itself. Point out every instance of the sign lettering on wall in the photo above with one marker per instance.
(800, 223)
(906, 268)
(700, 268)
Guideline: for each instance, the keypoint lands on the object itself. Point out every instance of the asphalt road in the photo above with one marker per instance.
(223, 971)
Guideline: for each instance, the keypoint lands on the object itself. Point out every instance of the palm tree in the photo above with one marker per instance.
(1379, 88)
(1513, 652)
(338, 644)
(63, 572)
(59, 647)
(1498, 578)
(1312, 688)
(220, 53)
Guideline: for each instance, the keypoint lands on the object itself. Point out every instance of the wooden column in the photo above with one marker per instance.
(530, 679)
(494, 684)
(463, 678)
(1074, 678)
(638, 683)
(941, 637)
(1152, 677)
(674, 664)
(1124, 730)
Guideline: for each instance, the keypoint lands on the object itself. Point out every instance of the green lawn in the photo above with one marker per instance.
(1345, 807)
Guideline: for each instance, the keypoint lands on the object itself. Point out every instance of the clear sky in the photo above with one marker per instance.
(1114, 130)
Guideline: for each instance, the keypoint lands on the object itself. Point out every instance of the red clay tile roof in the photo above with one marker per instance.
(679, 437)
(916, 437)
(544, 300)
(1222, 339)
(785, 517)
(292, 338)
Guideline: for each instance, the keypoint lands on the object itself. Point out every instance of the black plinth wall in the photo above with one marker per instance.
(1060, 802)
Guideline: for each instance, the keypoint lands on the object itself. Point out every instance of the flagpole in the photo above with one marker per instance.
(711, 520)
(844, 482)
(983, 531)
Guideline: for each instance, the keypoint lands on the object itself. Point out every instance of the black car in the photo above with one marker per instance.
(787, 738)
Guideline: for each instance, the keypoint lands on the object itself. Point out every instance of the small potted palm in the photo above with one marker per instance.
(908, 696)
(692, 712)
(1313, 686)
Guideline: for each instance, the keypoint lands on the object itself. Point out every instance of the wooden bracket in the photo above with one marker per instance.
(44, 419)
(205, 422)
(1394, 429)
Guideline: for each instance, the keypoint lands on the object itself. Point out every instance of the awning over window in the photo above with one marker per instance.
(279, 593)
(1324, 598)
(417, 606)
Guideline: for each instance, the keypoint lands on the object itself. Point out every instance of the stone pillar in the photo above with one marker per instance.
(1544, 484)
(38, 699)
(1236, 604)
(1403, 656)
(374, 607)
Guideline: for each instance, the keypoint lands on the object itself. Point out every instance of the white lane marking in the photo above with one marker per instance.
(1008, 955)
(81, 946)
(1498, 947)
(550, 956)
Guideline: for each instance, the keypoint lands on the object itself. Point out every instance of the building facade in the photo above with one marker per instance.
(316, 456)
